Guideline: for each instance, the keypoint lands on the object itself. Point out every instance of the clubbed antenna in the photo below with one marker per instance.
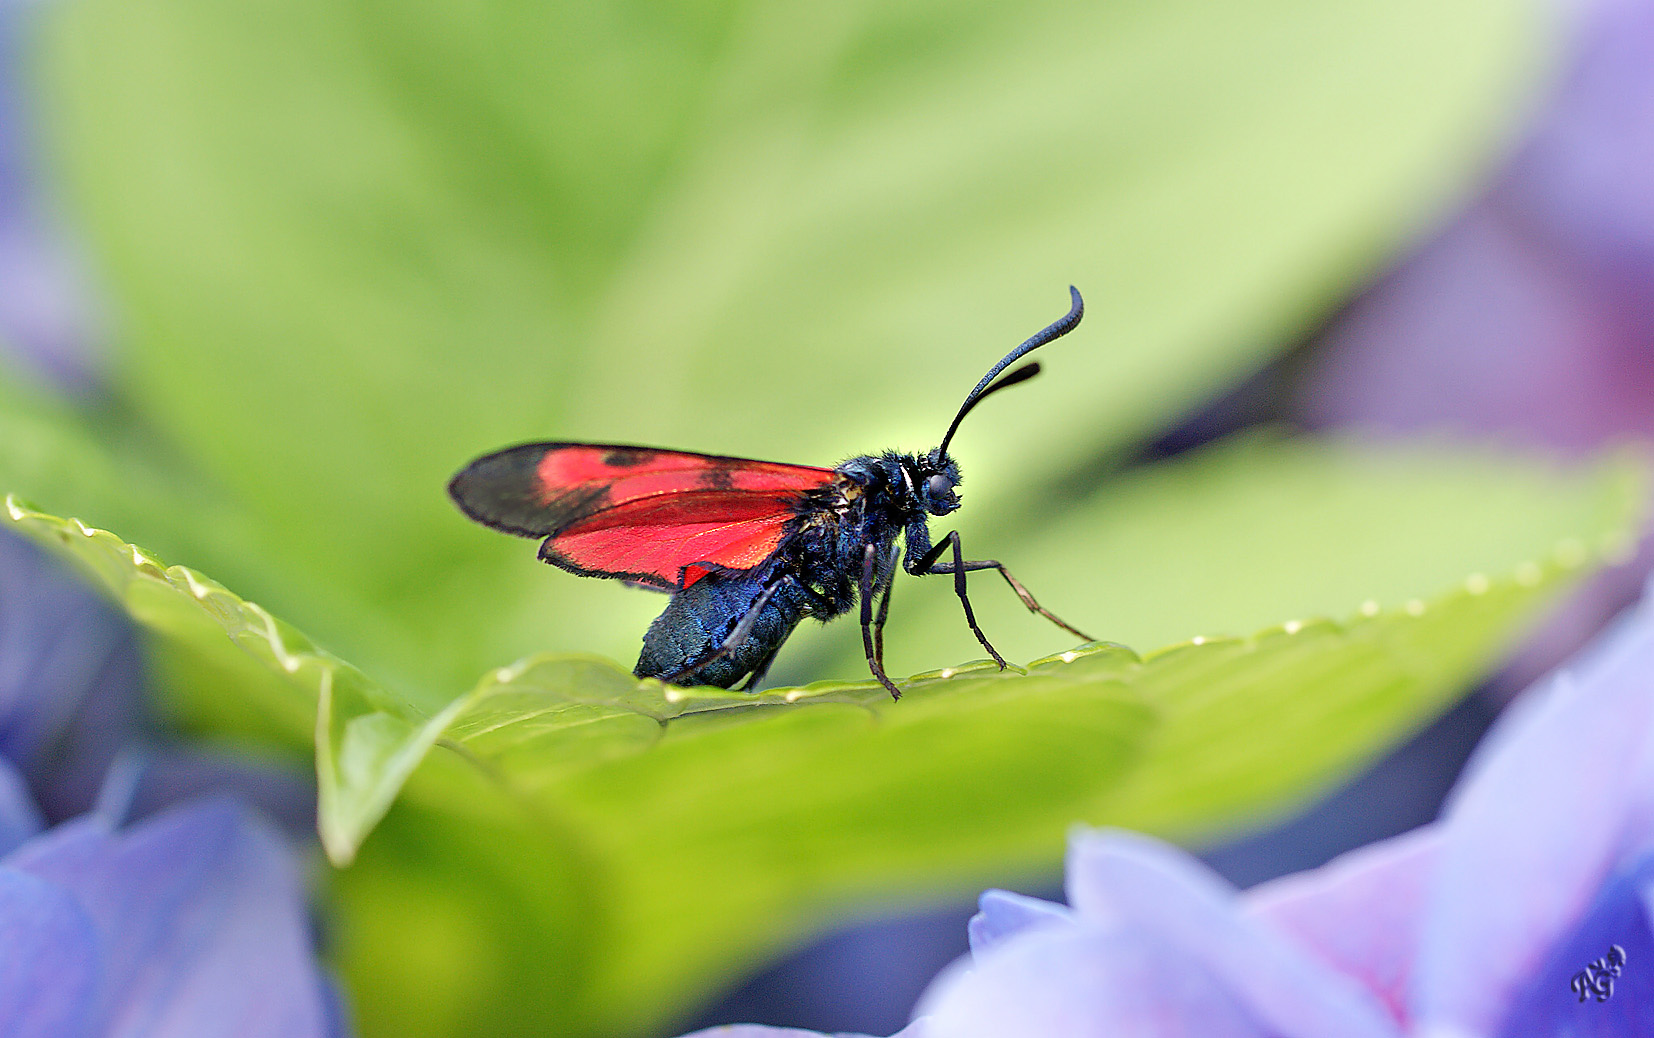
(987, 386)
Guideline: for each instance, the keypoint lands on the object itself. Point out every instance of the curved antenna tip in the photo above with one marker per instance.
(1056, 330)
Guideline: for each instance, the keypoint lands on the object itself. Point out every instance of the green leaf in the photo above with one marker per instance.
(695, 835)
(1254, 727)
(353, 244)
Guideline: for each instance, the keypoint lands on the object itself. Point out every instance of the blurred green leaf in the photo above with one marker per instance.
(352, 244)
(89, 457)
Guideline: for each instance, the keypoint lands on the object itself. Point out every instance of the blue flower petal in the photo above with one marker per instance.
(282, 792)
(1115, 877)
(335, 1008)
(1534, 829)
(19, 819)
(202, 919)
(1584, 178)
(913, 1030)
(48, 959)
(45, 314)
(1550, 1005)
(70, 679)
(1086, 981)
(1004, 914)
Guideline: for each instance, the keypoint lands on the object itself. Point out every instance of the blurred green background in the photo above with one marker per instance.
(347, 245)
(352, 245)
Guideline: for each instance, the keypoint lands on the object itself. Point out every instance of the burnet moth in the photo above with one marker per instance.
(745, 548)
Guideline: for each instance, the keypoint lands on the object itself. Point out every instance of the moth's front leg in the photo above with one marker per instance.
(875, 654)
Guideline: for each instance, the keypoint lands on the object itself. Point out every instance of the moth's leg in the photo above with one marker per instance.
(959, 567)
(928, 564)
(820, 607)
(735, 639)
(759, 671)
(874, 661)
(878, 623)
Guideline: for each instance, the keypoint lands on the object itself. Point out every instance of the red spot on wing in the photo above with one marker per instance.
(628, 473)
(548, 489)
(637, 513)
(667, 536)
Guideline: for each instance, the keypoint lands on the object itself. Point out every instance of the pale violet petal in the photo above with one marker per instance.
(1085, 981)
(913, 1030)
(1359, 913)
(48, 960)
(1004, 914)
(19, 818)
(1157, 889)
(1534, 829)
(202, 918)
(1549, 1003)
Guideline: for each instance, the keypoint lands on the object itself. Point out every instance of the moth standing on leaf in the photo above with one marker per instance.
(746, 549)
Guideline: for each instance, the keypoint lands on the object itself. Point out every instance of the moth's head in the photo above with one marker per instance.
(937, 482)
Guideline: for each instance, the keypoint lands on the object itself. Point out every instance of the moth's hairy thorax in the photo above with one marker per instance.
(870, 501)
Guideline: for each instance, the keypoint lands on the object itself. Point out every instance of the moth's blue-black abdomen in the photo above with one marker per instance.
(698, 619)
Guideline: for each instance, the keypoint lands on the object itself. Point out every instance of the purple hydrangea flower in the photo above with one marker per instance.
(46, 312)
(917, 1029)
(1531, 316)
(1470, 927)
(71, 703)
(70, 681)
(188, 923)
(1474, 925)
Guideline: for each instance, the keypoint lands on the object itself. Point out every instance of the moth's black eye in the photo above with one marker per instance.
(938, 485)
